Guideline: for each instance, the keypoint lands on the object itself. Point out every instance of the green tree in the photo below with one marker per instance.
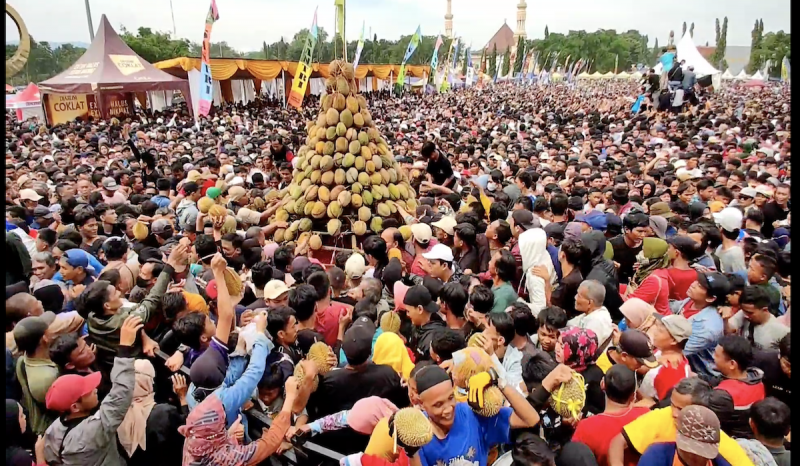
(483, 57)
(656, 52)
(506, 63)
(683, 31)
(493, 61)
(691, 29)
(546, 32)
(757, 37)
(156, 46)
(773, 47)
(520, 55)
(44, 62)
(601, 47)
(718, 57)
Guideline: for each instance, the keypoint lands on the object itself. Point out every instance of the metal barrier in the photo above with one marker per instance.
(303, 453)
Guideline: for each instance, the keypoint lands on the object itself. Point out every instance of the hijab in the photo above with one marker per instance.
(640, 314)
(367, 412)
(533, 249)
(15, 454)
(579, 348)
(132, 432)
(653, 256)
(207, 440)
(399, 294)
(390, 351)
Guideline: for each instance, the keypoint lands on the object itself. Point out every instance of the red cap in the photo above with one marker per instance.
(70, 388)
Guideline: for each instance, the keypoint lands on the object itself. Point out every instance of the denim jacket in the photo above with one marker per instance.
(707, 329)
(241, 379)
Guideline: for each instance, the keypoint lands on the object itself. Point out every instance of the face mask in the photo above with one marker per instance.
(142, 283)
(491, 186)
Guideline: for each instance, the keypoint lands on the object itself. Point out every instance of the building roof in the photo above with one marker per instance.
(503, 38)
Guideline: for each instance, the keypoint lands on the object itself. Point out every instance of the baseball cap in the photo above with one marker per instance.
(42, 211)
(236, 192)
(716, 284)
(446, 224)
(421, 233)
(30, 330)
(274, 289)
(213, 193)
(729, 218)
(637, 344)
(161, 226)
(759, 190)
(659, 226)
(678, 326)
(595, 219)
(716, 206)
(748, 191)
(439, 252)
(78, 258)
(250, 217)
(355, 266)
(22, 180)
(688, 247)
(29, 195)
(110, 184)
(524, 219)
(418, 295)
(357, 342)
(698, 431)
(68, 389)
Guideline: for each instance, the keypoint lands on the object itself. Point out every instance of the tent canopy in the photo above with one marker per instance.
(223, 69)
(29, 97)
(687, 50)
(727, 74)
(742, 75)
(758, 76)
(110, 65)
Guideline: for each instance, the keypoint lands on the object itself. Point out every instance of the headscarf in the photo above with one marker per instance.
(390, 351)
(573, 232)
(654, 256)
(132, 432)
(15, 454)
(399, 294)
(757, 452)
(207, 440)
(579, 347)
(640, 314)
(533, 249)
(659, 226)
(367, 412)
(595, 242)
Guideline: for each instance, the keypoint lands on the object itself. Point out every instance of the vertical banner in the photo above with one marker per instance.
(786, 69)
(303, 73)
(412, 46)
(340, 14)
(206, 97)
(435, 57)
(470, 70)
(359, 48)
(498, 67)
(616, 63)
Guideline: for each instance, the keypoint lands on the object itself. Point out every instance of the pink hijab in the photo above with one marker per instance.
(207, 439)
(400, 291)
(366, 413)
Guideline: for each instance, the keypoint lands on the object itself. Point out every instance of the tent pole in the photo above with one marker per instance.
(283, 83)
(89, 20)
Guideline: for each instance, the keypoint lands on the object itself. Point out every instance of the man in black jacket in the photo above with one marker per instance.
(422, 310)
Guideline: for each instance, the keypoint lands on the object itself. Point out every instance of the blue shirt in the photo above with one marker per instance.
(161, 201)
(707, 329)
(470, 438)
(666, 60)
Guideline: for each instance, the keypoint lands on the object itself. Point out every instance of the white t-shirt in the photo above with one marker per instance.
(598, 321)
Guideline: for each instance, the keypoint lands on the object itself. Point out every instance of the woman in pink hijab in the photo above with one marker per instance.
(362, 418)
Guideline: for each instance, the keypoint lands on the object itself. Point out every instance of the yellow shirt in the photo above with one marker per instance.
(381, 443)
(604, 363)
(657, 426)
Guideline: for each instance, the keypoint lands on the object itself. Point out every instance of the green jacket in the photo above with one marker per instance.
(104, 329)
(35, 377)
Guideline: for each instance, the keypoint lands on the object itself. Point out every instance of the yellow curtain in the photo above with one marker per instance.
(226, 90)
(261, 69)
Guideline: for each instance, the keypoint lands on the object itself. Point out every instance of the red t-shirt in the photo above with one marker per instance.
(681, 281)
(662, 378)
(597, 432)
(688, 309)
(744, 394)
(207, 184)
(328, 322)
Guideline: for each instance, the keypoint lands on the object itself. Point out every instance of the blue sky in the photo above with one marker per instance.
(244, 24)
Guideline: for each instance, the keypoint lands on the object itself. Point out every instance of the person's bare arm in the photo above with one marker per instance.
(224, 302)
(271, 439)
(616, 451)
(272, 227)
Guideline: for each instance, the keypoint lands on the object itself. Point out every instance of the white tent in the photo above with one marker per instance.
(687, 50)
(595, 75)
(583, 75)
(727, 75)
(610, 74)
(623, 75)
(742, 76)
(758, 76)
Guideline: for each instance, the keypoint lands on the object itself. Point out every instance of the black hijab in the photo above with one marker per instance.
(15, 454)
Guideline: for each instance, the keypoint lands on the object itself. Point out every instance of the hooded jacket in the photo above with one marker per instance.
(601, 269)
(187, 212)
(744, 392)
(422, 338)
(533, 249)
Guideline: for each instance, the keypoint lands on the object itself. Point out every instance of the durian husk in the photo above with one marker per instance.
(569, 398)
(233, 282)
(468, 362)
(318, 353)
(300, 375)
(390, 322)
(140, 231)
(412, 428)
(493, 400)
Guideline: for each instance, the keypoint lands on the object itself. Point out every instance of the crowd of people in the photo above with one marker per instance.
(586, 280)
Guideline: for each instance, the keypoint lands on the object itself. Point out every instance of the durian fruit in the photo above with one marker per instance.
(204, 204)
(411, 428)
(493, 400)
(569, 398)
(300, 374)
(390, 322)
(474, 341)
(468, 362)
(315, 242)
(318, 353)
(233, 282)
(345, 169)
(141, 230)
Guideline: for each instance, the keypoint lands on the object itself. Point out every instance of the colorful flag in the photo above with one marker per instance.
(303, 72)
(206, 84)
(470, 70)
(435, 57)
(786, 69)
(455, 53)
(616, 63)
(359, 48)
(412, 46)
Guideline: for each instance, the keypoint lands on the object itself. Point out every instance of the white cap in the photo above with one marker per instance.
(355, 266)
(447, 224)
(439, 252)
(421, 232)
(760, 189)
(29, 195)
(729, 218)
(274, 289)
(748, 191)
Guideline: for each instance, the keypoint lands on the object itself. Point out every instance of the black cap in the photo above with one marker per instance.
(29, 331)
(357, 342)
(42, 212)
(418, 295)
(716, 284)
(686, 245)
(637, 344)
(555, 230)
(524, 219)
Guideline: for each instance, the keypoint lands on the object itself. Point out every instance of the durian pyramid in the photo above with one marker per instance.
(345, 172)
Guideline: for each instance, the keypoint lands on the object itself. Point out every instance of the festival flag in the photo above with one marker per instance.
(435, 57)
(786, 69)
(555, 62)
(303, 73)
(470, 69)
(412, 46)
(638, 104)
(206, 83)
(566, 63)
(359, 48)
(455, 53)
(616, 63)
(340, 16)
(498, 67)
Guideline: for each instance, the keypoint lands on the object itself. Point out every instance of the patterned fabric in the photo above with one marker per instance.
(207, 442)
(579, 347)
